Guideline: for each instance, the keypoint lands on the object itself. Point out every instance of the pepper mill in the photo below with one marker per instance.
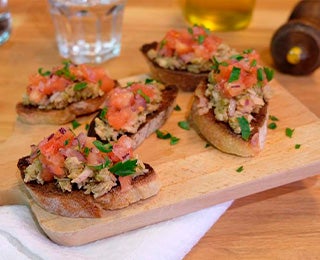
(295, 46)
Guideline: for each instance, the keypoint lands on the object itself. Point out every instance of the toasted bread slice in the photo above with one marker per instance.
(33, 115)
(185, 80)
(154, 120)
(76, 204)
(220, 135)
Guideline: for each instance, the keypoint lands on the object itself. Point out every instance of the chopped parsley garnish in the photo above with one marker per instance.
(86, 151)
(177, 108)
(297, 146)
(260, 74)
(124, 168)
(44, 73)
(184, 125)
(235, 74)
(87, 127)
(269, 73)
(247, 51)
(99, 83)
(148, 81)
(130, 83)
(239, 169)
(253, 63)
(66, 142)
(190, 30)
(163, 43)
(174, 140)
(75, 124)
(245, 128)
(101, 166)
(289, 132)
(103, 113)
(65, 71)
(273, 118)
(215, 66)
(142, 94)
(105, 148)
(201, 39)
(165, 135)
(80, 85)
(237, 57)
(272, 125)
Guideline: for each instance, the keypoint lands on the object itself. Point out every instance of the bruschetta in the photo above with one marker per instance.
(64, 93)
(77, 176)
(136, 110)
(230, 108)
(185, 57)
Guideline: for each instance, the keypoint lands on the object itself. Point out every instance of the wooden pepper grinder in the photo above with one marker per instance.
(295, 46)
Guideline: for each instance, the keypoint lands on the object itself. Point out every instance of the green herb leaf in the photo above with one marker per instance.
(103, 113)
(253, 63)
(177, 108)
(163, 135)
(87, 126)
(260, 74)
(240, 169)
(269, 73)
(297, 146)
(201, 38)
(289, 132)
(184, 125)
(75, 124)
(44, 73)
(65, 71)
(272, 125)
(237, 57)
(245, 128)
(247, 51)
(105, 148)
(101, 166)
(174, 140)
(142, 94)
(273, 118)
(163, 43)
(148, 81)
(215, 66)
(86, 151)
(124, 168)
(80, 85)
(129, 84)
(66, 142)
(190, 30)
(235, 74)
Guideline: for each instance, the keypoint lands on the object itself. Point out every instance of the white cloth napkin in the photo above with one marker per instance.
(21, 238)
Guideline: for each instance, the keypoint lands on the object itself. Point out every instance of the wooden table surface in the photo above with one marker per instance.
(282, 223)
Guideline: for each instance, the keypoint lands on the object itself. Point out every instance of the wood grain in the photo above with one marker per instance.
(280, 223)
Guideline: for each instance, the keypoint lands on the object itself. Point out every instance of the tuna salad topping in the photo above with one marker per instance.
(82, 162)
(237, 89)
(66, 84)
(126, 108)
(190, 49)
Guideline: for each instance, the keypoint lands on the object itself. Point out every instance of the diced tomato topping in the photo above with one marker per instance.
(122, 149)
(246, 79)
(196, 41)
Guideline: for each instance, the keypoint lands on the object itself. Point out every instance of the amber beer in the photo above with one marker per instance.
(219, 15)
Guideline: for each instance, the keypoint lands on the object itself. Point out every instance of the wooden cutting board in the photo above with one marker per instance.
(193, 176)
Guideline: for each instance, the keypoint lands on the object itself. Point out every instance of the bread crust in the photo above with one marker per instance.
(220, 135)
(154, 120)
(76, 204)
(185, 80)
(33, 115)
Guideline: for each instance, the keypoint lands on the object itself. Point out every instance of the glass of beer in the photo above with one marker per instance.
(219, 15)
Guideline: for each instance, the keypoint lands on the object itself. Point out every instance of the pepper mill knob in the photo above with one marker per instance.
(295, 46)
